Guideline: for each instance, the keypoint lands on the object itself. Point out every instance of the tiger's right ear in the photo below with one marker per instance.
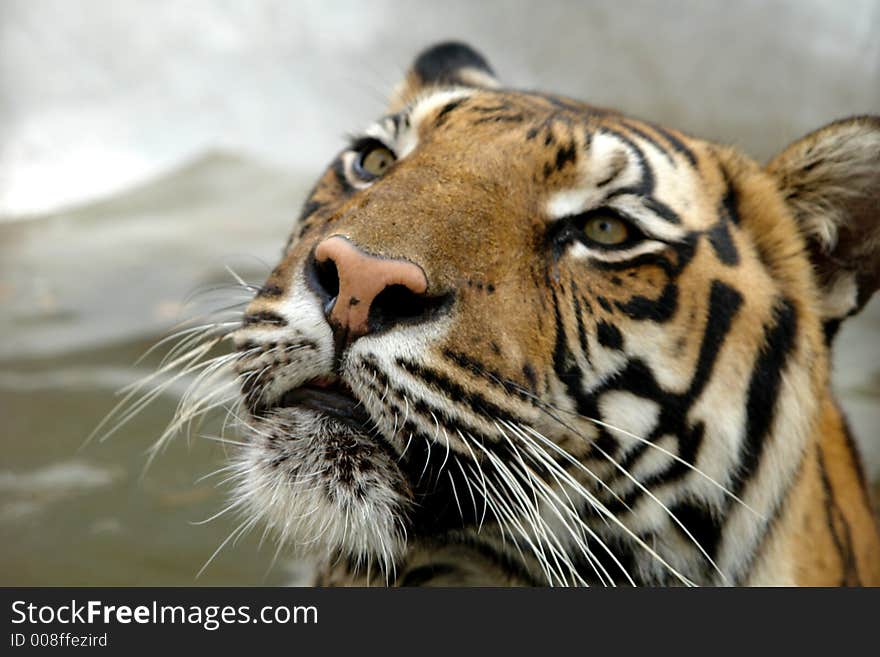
(449, 64)
(830, 180)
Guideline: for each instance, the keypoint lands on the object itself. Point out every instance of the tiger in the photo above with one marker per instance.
(515, 339)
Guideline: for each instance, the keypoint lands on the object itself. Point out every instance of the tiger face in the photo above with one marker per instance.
(574, 347)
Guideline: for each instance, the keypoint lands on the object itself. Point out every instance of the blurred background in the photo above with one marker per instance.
(147, 146)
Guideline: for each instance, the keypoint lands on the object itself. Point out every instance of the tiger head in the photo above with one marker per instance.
(512, 319)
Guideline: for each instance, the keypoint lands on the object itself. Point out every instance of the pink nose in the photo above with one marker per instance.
(361, 280)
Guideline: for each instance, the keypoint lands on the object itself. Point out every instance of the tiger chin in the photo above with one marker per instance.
(516, 339)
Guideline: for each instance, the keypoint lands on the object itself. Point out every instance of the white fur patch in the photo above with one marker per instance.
(570, 202)
(656, 458)
(632, 417)
(428, 104)
(580, 251)
(476, 77)
(840, 297)
(293, 478)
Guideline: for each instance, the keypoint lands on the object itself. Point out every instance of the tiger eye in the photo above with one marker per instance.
(376, 161)
(607, 231)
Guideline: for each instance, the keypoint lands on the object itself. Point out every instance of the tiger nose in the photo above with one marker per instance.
(366, 293)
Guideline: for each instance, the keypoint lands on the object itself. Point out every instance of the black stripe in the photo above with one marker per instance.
(704, 525)
(339, 173)
(661, 209)
(491, 109)
(396, 121)
(500, 118)
(565, 104)
(729, 201)
(423, 574)
(452, 390)
(722, 242)
(724, 304)
(477, 403)
(270, 290)
(563, 361)
(531, 377)
(658, 310)
(309, 208)
(833, 516)
(678, 145)
(645, 186)
(728, 211)
(663, 308)
(263, 317)
(609, 336)
(648, 138)
(434, 507)
(565, 154)
(612, 175)
(763, 391)
(581, 330)
(491, 376)
(830, 328)
(515, 568)
(636, 378)
(443, 114)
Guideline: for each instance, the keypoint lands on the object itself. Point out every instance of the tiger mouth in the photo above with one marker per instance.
(330, 397)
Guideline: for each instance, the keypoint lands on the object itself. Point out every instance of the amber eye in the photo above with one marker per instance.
(607, 230)
(374, 161)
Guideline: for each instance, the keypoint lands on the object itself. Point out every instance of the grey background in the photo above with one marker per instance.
(101, 93)
(144, 146)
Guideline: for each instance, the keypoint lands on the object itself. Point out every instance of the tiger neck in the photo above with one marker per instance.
(828, 534)
(720, 532)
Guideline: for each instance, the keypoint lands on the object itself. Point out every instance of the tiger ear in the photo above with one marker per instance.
(448, 64)
(830, 180)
